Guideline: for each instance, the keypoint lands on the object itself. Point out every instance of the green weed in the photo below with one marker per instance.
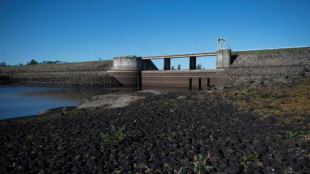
(106, 137)
(304, 132)
(29, 137)
(243, 160)
(291, 135)
(254, 156)
(63, 111)
(249, 159)
(41, 171)
(13, 165)
(198, 165)
(116, 136)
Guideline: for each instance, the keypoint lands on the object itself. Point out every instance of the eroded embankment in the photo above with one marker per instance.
(263, 66)
(82, 74)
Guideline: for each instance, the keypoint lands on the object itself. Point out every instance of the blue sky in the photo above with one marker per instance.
(75, 30)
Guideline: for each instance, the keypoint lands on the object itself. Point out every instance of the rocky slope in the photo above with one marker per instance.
(82, 74)
(261, 66)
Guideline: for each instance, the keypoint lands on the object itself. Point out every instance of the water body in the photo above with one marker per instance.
(17, 101)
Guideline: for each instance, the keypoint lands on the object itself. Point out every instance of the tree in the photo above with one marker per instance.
(3, 64)
(32, 62)
(199, 66)
(179, 66)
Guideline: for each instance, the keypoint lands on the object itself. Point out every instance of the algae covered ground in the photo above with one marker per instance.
(262, 129)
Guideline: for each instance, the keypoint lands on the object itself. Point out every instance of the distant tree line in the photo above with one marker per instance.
(34, 62)
(3, 64)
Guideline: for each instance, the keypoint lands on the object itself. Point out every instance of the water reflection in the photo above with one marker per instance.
(17, 101)
(70, 94)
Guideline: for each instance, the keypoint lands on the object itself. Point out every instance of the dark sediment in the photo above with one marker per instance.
(159, 134)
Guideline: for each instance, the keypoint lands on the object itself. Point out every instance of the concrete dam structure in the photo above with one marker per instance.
(252, 67)
(140, 71)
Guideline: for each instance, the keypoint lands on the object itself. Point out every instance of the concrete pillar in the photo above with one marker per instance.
(223, 58)
(192, 63)
(167, 64)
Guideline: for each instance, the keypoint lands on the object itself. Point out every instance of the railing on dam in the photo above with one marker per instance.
(181, 55)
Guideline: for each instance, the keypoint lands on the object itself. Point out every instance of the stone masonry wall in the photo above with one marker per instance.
(83, 75)
(264, 66)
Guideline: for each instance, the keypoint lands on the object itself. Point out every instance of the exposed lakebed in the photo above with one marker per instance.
(165, 133)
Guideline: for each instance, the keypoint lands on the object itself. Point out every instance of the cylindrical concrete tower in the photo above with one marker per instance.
(126, 63)
(127, 70)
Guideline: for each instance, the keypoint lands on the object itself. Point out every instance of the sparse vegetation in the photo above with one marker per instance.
(116, 135)
(198, 166)
(249, 159)
(277, 98)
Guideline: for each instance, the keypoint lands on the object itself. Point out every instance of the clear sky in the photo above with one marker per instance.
(76, 30)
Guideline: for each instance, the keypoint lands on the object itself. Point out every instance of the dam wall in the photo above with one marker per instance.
(264, 66)
(241, 67)
(198, 79)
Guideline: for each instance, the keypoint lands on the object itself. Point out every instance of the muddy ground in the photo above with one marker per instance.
(177, 132)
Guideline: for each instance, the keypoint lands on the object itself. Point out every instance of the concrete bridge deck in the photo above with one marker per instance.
(180, 55)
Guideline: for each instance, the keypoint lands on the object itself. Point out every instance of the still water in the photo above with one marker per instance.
(17, 101)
